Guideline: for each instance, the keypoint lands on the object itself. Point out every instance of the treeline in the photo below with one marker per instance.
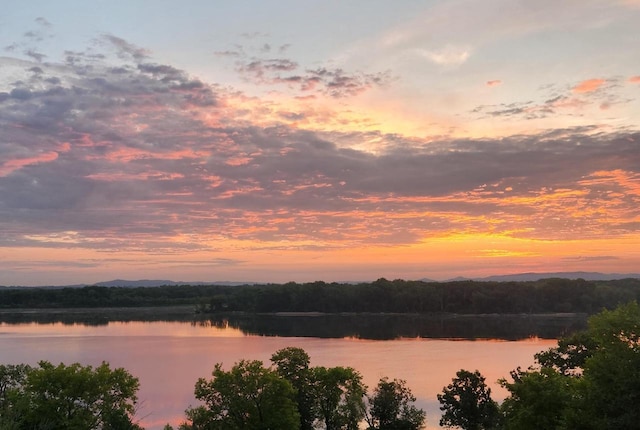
(398, 296)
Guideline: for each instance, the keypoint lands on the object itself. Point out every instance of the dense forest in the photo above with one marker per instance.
(552, 295)
(590, 380)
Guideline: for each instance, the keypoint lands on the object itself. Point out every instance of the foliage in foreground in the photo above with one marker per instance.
(591, 380)
(391, 407)
(66, 397)
(467, 403)
(292, 395)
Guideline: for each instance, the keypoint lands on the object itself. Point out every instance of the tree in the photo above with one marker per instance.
(293, 365)
(571, 354)
(539, 399)
(339, 394)
(12, 378)
(609, 391)
(467, 403)
(249, 396)
(68, 397)
(590, 381)
(391, 407)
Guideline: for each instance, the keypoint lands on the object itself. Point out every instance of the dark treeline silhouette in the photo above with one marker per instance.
(552, 295)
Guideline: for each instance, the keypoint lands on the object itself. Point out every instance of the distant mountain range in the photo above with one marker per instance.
(516, 277)
(138, 283)
(531, 276)
(161, 282)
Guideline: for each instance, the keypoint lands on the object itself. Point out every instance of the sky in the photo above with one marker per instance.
(275, 141)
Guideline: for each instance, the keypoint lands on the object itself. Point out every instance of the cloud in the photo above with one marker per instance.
(574, 100)
(589, 85)
(43, 21)
(11, 165)
(592, 258)
(125, 50)
(630, 3)
(493, 83)
(447, 56)
(635, 79)
(31, 38)
(133, 155)
(332, 82)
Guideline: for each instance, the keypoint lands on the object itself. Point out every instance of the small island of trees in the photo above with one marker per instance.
(590, 380)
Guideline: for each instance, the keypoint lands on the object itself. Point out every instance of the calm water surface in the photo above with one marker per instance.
(168, 358)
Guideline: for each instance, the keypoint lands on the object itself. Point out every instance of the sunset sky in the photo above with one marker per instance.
(317, 140)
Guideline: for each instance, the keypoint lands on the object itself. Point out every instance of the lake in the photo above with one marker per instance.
(169, 356)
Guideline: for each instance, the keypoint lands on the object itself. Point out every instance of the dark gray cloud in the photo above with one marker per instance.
(560, 100)
(129, 156)
(125, 50)
(334, 82)
(43, 22)
(27, 46)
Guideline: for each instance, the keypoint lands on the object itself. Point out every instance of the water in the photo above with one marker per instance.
(168, 357)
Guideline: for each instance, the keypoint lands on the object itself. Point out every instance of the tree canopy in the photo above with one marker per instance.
(589, 381)
(292, 394)
(467, 403)
(392, 407)
(67, 397)
(249, 396)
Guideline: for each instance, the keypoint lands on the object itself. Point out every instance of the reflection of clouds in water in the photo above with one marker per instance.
(169, 357)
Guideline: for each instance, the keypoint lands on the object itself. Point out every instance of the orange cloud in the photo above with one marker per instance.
(635, 79)
(494, 83)
(589, 85)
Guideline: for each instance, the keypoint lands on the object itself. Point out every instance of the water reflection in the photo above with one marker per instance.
(360, 326)
(386, 327)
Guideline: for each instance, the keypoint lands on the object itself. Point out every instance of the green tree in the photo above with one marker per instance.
(391, 407)
(293, 365)
(571, 354)
(12, 378)
(609, 391)
(539, 399)
(339, 393)
(68, 397)
(467, 403)
(589, 381)
(249, 396)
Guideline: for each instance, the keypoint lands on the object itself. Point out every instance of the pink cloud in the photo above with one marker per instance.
(125, 154)
(18, 163)
(238, 161)
(144, 176)
(569, 103)
(494, 83)
(589, 85)
(635, 79)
